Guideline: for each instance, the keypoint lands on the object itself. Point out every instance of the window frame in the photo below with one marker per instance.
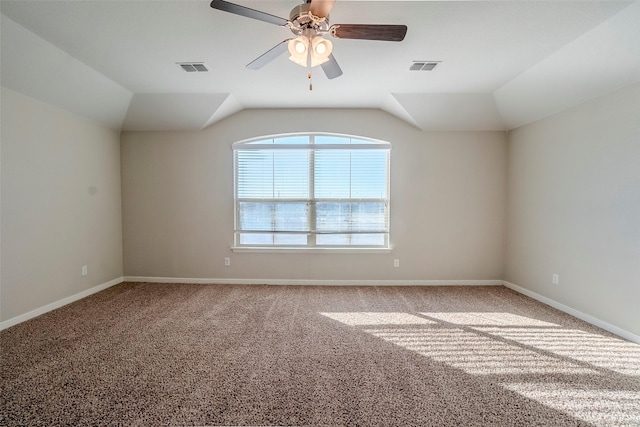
(311, 232)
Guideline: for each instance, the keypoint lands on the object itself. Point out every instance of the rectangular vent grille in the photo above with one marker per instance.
(193, 67)
(423, 65)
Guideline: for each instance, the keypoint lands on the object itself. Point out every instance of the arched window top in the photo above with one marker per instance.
(313, 140)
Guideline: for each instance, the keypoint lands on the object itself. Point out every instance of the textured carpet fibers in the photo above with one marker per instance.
(145, 354)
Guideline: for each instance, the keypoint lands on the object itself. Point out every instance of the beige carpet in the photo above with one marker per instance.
(164, 354)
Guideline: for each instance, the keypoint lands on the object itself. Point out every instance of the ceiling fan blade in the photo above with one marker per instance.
(392, 33)
(321, 8)
(331, 68)
(249, 13)
(269, 55)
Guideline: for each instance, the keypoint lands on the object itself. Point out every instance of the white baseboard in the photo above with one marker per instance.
(57, 304)
(314, 282)
(575, 313)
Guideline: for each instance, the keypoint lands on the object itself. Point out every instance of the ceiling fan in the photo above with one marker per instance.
(309, 22)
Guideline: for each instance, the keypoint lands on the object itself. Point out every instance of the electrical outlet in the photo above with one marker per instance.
(85, 270)
(396, 263)
(227, 262)
(555, 279)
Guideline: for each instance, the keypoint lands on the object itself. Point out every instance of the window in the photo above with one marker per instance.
(312, 191)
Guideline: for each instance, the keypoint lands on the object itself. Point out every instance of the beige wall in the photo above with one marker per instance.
(574, 208)
(448, 193)
(61, 205)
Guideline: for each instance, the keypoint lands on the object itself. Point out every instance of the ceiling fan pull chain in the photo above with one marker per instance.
(309, 65)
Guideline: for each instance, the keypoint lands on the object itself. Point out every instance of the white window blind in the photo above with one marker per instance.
(312, 191)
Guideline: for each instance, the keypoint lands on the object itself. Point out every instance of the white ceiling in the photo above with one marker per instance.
(502, 63)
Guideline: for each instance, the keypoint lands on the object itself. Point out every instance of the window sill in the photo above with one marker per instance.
(301, 250)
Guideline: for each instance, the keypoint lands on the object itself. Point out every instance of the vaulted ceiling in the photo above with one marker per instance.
(500, 64)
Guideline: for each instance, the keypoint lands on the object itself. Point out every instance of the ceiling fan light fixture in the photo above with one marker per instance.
(321, 47)
(300, 46)
(317, 47)
(298, 50)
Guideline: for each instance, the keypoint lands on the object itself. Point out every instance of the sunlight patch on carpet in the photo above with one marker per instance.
(511, 345)
(378, 318)
(489, 318)
(477, 354)
(597, 350)
(600, 407)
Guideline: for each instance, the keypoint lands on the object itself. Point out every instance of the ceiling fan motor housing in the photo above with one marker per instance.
(301, 19)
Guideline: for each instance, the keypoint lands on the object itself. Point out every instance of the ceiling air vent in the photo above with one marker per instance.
(193, 67)
(423, 65)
